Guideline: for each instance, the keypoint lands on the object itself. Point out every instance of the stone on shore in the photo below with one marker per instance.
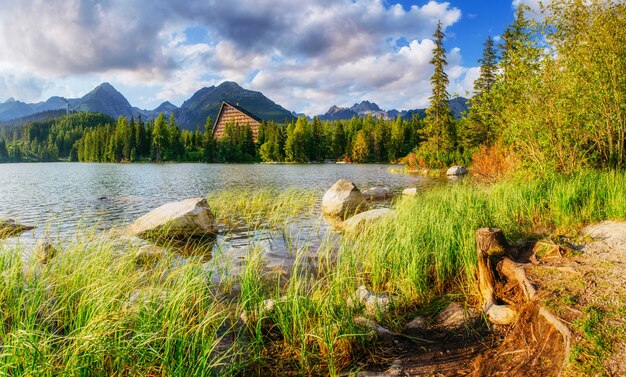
(456, 316)
(343, 199)
(358, 222)
(187, 220)
(377, 193)
(372, 302)
(456, 171)
(9, 228)
(410, 192)
(44, 252)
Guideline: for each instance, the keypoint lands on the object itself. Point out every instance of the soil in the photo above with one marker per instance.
(581, 280)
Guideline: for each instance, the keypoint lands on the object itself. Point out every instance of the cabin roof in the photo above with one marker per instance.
(237, 107)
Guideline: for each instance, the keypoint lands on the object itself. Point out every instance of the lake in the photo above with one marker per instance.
(64, 195)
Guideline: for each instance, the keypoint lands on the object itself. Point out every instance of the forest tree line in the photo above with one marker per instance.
(90, 137)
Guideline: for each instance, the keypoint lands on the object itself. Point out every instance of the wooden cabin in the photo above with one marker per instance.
(235, 114)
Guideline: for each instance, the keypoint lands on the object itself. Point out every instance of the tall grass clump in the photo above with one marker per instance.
(92, 311)
(428, 248)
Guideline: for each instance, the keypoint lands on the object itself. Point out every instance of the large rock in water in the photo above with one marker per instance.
(9, 228)
(343, 199)
(190, 219)
(456, 170)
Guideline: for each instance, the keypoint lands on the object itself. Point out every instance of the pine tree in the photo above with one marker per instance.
(478, 126)
(159, 138)
(488, 69)
(439, 125)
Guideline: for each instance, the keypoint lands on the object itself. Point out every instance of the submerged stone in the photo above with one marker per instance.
(9, 228)
(358, 222)
(377, 193)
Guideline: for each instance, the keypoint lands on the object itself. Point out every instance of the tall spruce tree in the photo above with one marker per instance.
(488, 69)
(479, 124)
(439, 124)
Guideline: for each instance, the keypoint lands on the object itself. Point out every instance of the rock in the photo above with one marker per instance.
(44, 252)
(149, 255)
(456, 170)
(377, 193)
(187, 220)
(409, 192)
(358, 222)
(343, 199)
(372, 326)
(372, 302)
(418, 323)
(455, 316)
(9, 228)
(268, 305)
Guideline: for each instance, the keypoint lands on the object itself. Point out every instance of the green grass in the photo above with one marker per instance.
(92, 311)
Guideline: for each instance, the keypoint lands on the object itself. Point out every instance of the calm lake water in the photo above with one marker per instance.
(64, 195)
(62, 199)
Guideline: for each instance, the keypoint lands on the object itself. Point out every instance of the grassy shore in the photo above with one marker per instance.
(93, 311)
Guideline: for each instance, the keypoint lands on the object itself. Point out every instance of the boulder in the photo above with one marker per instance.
(44, 252)
(9, 228)
(377, 193)
(455, 316)
(456, 170)
(410, 192)
(343, 199)
(358, 222)
(187, 220)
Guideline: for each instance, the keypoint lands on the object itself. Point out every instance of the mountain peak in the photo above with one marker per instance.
(365, 107)
(10, 100)
(229, 84)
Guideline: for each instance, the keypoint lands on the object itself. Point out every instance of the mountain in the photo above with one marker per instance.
(458, 106)
(107, 100)
(207, 101)
(369, 108)
(166, 108)
(12, 109)
(338, 113)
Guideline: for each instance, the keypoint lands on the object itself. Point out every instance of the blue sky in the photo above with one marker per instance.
(304, 55)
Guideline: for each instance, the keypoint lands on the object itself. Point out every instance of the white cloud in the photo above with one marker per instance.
(304, 55)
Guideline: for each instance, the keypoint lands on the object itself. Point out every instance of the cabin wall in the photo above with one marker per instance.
(231, 115)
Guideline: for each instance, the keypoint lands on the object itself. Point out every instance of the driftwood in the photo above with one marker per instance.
(492, 250)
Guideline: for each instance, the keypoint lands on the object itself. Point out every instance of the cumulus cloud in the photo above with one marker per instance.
(305, 55)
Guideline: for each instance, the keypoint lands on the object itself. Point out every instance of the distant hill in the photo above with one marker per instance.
(37, 117)
(107, 100)
(12, 109)
(166, 108)
(207, 101)
(458, 106)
